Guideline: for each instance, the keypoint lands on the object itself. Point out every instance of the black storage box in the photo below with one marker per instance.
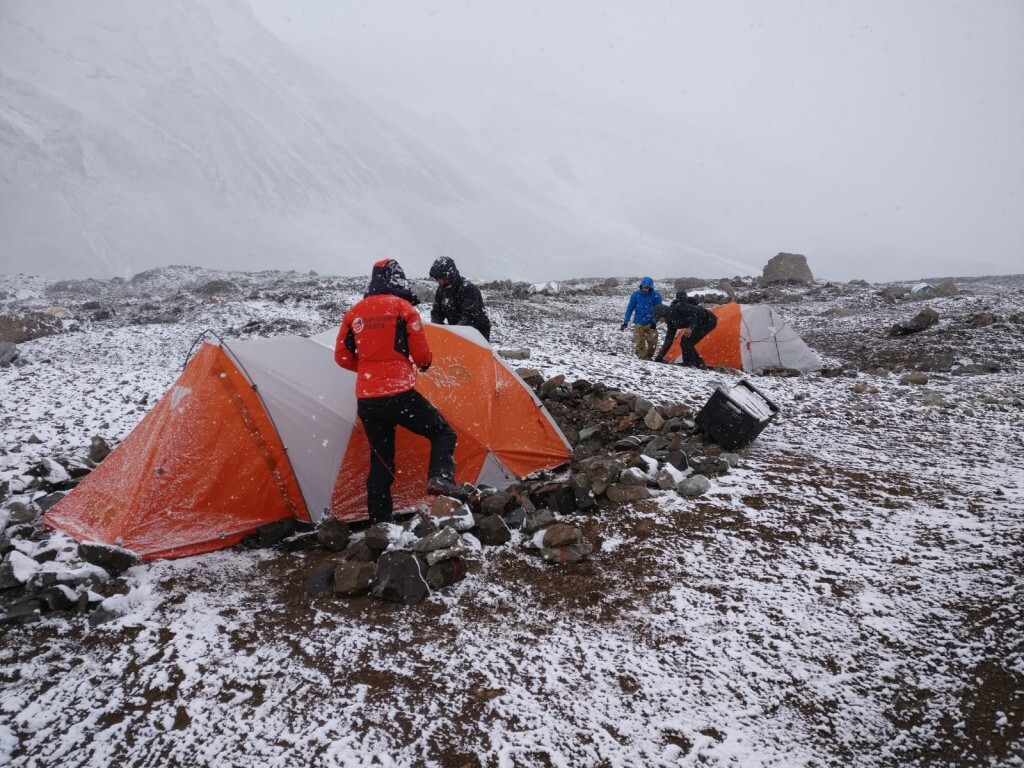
(734, 417)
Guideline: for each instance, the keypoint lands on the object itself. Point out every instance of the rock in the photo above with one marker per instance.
(560, 535)
(653, 420)
(22, 612)
(515, 354)
(446, 572)
(530, 376)
(320, 580)
(515, 518)
(30, 325)
(538, 520)
(358, 552)
(107, 556)
(401, 578)
(353, 579)
(548, 386)
(568, 555)
(914, 378)
(492, 531)
(787, 268)
(982, 319)
(632, 476)
(926, 318)
(333, 535)
(461, 519)
(558, 497)
(621, 493)
(22, 513)
(380, 536)
(99, 449)
(8, 353)
(945, 289)
(695, 485)
(59, 598)
(497, 503)
(445, 538)
(273, 533)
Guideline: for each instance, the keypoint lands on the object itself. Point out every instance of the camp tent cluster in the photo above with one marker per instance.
(266, 429)
(752, 338)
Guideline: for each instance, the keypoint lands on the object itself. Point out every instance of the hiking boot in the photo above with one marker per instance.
(442, 486)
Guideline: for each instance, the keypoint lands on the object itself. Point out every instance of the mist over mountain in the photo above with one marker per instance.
(138, 136)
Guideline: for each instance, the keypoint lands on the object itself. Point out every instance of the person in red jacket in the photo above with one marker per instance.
(381, 338)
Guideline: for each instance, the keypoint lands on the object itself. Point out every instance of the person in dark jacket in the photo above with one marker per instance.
(381, 338)
(457, 301)
(640, 308)
(692, 321)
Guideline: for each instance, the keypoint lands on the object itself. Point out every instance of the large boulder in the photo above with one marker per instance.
(787, 268)
(28, 326)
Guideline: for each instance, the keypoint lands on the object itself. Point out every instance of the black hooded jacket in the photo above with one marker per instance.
(684, 313)
(459, 302)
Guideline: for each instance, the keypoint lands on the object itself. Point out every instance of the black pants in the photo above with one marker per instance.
(380, 417)
(691, 356)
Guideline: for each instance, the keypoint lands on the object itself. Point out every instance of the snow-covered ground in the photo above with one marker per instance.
(850, 594)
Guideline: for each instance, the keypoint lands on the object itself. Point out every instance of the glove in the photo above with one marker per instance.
(624, 326)
(653, 326)
(659, 359)
(424, 368)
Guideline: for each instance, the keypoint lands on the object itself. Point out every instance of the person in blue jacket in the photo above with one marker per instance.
(641, 309)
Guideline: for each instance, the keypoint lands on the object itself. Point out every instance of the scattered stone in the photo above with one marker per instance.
(924, 319)
(695, 485)
(916, 378)
(8, 353)
(515, 354)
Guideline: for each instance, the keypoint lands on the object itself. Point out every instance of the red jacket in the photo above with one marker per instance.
(377, 338)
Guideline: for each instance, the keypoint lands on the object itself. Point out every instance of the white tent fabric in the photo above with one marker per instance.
(311, 401)
(768, 341)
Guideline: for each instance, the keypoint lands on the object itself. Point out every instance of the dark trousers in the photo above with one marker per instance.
(690, 356)
(380, 417)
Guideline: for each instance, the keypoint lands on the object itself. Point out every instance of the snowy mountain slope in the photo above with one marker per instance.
(186, 133)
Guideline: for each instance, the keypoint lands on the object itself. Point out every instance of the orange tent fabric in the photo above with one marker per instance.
(501, 426)
(200, 471)
(266, 429)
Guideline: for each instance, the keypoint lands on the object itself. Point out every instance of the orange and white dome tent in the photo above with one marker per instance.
(753, 338)
(266, 429)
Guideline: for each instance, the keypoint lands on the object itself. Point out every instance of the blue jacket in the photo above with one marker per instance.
(641, 304)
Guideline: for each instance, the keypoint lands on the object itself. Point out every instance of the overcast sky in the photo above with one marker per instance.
(871, 133)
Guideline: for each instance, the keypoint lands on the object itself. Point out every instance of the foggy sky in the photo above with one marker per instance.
(883, 139)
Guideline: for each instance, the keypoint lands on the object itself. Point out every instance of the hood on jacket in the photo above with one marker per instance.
(444, 267)
(389, 277)
(659, 311)
(647, 282)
